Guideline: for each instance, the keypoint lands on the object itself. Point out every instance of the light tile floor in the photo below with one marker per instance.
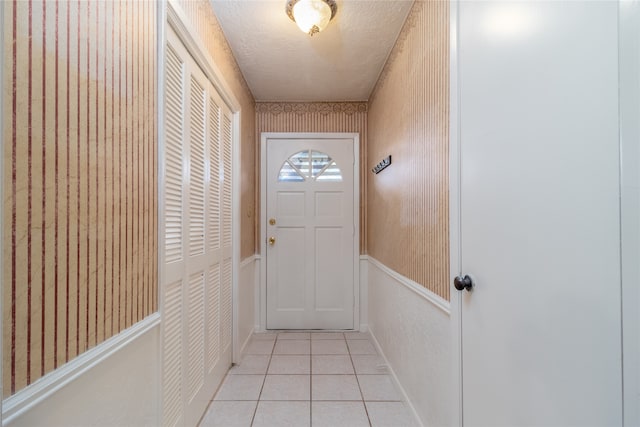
(309, 379)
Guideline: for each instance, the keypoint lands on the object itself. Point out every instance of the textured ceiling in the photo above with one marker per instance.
(281, 63)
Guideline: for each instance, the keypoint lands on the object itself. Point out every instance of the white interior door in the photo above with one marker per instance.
(311, 232)
(540, 227)
(196, 299)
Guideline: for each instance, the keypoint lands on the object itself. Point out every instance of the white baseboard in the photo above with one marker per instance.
(243, 347)
(397, 383)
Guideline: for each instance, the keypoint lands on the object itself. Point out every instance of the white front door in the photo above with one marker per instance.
(540, 218)
(310, 230)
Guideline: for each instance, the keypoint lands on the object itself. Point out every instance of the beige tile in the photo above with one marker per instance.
(286, 387)
(260, 347)
(369, 364)
(335, 387)
(357, 335)
(329, 347)
(265, 336)
(229, 414)
(290, 364)
(331, 364)
(390, 414)
(339, 414)
(283, 414)
(240, 387)
(292, 347)
(294, 336)
(378, 387)
(251, 364)
(327, 336)
(361, 347)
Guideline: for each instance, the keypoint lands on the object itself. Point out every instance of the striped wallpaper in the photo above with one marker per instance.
(205, 24)
(408, 203)
(320, 117)
(79, 179)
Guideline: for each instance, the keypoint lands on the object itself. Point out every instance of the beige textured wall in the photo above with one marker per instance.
(79, 179)
(204, 22)
(407, 204)
(319, 117)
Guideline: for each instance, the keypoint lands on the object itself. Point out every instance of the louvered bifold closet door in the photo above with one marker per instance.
(218, 358)
(227, 174)
(173, 263)
(194, 356)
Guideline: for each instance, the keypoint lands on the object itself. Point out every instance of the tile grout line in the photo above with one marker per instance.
(311, 373)
(255, 410)
(364, 403)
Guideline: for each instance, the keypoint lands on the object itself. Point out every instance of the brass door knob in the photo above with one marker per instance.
(272, 240)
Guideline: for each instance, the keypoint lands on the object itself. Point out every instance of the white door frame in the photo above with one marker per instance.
(455, 258)
(629, 107)
(170, 13)
(2, 219)
(264, 137)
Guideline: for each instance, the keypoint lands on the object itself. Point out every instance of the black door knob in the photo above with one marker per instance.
(462, 283)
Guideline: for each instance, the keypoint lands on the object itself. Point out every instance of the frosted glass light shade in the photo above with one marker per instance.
(312, 16)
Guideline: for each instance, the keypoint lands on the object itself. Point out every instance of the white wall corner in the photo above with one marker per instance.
(364, 293)
(256, 296)
(246, 303)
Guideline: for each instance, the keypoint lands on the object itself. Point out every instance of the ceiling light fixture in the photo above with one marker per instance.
(312, 16)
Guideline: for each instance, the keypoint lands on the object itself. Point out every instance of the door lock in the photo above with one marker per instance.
(272, 240)
(462, 283)
(272, 221)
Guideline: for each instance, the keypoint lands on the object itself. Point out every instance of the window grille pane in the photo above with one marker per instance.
(318, 162)
(301, 161)
(289, 174)
(330, 174)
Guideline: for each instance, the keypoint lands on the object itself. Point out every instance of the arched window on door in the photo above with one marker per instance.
(309, 165)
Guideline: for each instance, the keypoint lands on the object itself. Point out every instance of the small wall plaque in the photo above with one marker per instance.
(383, 164)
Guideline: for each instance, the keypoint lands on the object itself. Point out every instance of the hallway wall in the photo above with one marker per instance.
(79, 179)
(205, 24)
(408, 203)
(408, 213)
(318, 117)
(80, 185)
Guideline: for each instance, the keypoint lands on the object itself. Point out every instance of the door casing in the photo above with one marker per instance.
(262, 291)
